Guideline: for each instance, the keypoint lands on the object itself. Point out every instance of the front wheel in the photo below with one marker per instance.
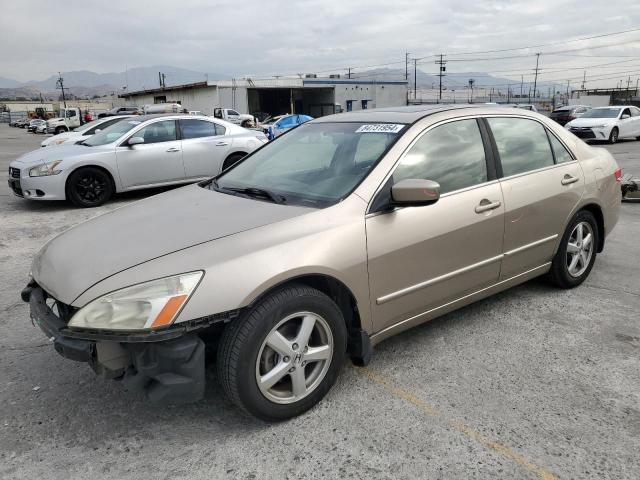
(577, 251)
(284, 354)
(613, 136)
(89, 187)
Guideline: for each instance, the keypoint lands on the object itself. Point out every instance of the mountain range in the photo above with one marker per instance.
(84, 83)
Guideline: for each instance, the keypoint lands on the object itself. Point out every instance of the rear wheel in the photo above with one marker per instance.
(283, 356)
(232, 160)
(613, 136)
(89, 187)
(60, 130)
(577, 251)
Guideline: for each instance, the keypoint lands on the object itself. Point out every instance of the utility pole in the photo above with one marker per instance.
(535, 81)
(406, 66)
(349, 72)
(584, 79)
(60, 85)
(415, 79)
(471, 82)
(567, 92)
(521, 85)
(441, 74)
(161, 79)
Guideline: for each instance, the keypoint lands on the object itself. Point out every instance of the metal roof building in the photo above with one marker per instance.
(309, 95)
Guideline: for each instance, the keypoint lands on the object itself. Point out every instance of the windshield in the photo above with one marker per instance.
(317, 164)
(602, 113)
(111, 134)
(87, 126)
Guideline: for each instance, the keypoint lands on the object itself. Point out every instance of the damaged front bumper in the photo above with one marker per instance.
(167, 365)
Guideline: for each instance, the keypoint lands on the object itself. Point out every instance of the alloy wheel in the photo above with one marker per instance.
(579, 249)
(91, 188)
(294, 357)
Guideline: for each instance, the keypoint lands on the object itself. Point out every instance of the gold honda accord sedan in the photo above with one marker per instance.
(340, 233)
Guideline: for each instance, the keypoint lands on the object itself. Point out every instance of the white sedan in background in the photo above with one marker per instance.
(607, 123)
(132, 154)
(82, 132)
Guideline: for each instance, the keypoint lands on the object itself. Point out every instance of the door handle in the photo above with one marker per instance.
(173, 150)
(486, 205)
(568, 180)
(222, 144)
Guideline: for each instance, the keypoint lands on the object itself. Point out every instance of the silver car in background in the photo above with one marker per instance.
(83, 132)
(145, 151)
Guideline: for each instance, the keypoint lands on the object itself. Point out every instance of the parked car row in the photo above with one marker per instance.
(324, 242)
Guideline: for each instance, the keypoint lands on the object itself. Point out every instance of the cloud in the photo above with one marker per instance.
(41, 37)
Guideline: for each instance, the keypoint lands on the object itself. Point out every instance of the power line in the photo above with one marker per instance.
(636, 29)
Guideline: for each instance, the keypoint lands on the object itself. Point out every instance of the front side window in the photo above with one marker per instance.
(317, 164)
(197, 129)
(522, 144)
(158, 132)
(233, 112)
(451, 154)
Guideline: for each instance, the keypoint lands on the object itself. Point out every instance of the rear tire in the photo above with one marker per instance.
(613, 136)
(232, 160)
(302, 366)
(89, 187)
(577, 251)
(60, 130)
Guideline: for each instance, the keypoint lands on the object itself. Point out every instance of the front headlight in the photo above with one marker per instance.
(45, 170)
(144, 306)
(600, 126)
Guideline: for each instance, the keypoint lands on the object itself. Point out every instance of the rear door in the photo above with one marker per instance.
(420, 258)
(541, 184)
(158, 160)
(204, 147)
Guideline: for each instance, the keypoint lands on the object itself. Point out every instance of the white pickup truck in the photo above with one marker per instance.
(68, 119)
(230, 115)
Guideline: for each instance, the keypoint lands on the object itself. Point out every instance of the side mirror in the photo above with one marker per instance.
(415, 192)
(97, 130)
(135, 141)
(625, 116)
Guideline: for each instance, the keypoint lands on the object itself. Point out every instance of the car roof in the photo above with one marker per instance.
(409, 114)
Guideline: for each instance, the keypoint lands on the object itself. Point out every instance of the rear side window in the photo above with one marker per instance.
(220, 130)
(522, 144)
(451, 154)
(197, 129)
(559, 150)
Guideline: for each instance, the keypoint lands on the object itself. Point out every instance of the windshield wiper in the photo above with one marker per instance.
(258, 193)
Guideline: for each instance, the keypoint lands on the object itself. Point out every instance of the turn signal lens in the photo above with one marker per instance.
(618, 174)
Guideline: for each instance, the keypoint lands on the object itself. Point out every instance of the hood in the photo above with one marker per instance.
(94, 250)
(66, 136)
(590, 122)
(43, 155)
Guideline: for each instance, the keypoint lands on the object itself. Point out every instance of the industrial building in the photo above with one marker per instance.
(309, 95)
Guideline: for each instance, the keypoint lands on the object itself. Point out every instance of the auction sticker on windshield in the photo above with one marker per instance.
(380, 128)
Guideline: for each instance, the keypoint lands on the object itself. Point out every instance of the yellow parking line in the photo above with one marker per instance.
(503, 450)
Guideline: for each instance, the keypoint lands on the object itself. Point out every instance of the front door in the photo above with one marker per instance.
(204, 147)
(421, 258)
(627, 124)
(541, 185)
(158, 160)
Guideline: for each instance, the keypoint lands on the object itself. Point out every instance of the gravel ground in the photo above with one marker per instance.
(532, 383)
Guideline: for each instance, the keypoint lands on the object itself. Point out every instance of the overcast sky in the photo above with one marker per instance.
(40, 37)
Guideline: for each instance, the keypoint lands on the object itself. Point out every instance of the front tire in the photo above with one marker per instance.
(577, 251)
(613, 136)
(89, 187)
(284, 354)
